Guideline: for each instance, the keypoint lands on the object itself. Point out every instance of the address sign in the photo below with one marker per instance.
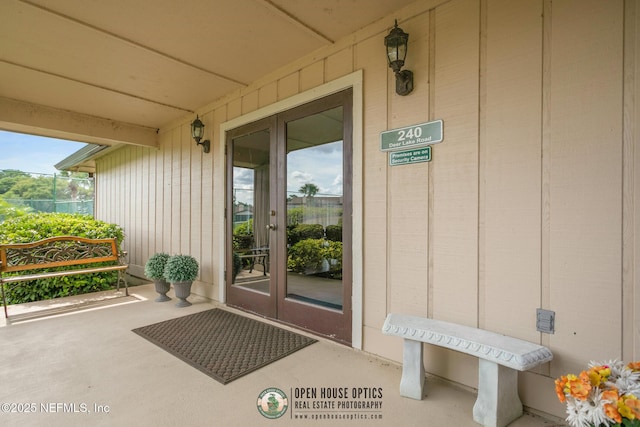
(411, 136)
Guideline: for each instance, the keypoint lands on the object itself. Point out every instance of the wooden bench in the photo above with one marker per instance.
(63, 251)
(500, 359)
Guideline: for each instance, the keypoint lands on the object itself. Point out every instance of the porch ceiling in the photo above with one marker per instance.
(148, 62)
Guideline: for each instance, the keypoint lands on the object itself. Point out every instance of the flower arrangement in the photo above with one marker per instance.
(604, 395)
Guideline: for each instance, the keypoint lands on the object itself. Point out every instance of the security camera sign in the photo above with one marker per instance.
(411, 136)
(405, 157)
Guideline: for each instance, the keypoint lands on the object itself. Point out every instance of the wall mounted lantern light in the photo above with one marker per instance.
(396, 42)
(197, 131)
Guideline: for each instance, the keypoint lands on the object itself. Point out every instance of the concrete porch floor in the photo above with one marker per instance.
(87, 368)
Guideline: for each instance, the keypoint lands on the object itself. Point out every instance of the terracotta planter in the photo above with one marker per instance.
(162, 287)
(183, 290)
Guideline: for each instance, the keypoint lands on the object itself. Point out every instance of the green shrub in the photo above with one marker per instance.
(333, 253)
(294, 216)
(244, 228)
(242, 241)
(310, 254)
(37, 226)
(237, 265)
(243, 235)
(304, 231)
(334, 232)
(9, 211)
(305, 255)
(43, 289)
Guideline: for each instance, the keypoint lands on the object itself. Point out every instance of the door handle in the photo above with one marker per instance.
(271, 227)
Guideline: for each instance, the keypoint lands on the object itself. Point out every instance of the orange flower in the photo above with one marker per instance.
(579, 387)
(610, 395)
(612, 412)
(560, 384)
(633, 404)
(634, 366)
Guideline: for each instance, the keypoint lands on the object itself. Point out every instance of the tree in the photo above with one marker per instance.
(31, 188)
(9, 178)
(68, 186)
(309, 189)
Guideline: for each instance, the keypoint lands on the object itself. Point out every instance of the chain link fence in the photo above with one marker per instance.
(49, 205)
(33, 192)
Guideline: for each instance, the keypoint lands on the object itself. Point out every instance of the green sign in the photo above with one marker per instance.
(411, 136)
(406, 157)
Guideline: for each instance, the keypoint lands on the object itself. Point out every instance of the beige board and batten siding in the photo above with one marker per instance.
(525, 203)
(510, 153)
(584, 161)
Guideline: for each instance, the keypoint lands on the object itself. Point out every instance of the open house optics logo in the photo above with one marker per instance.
(323, 403)
(272, 403)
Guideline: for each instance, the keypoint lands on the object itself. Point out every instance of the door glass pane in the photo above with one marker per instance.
(251, 211)
(314, 209)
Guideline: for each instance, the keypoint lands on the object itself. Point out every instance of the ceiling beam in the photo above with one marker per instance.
(34, 119)
(96, 86)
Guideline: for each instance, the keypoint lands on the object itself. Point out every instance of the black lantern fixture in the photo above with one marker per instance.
(396, 42)
(197, 131)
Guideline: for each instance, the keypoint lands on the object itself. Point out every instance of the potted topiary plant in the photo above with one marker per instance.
(154, 270)
(181, 271)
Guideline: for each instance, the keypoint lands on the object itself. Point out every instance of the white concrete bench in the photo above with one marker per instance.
(500, 359)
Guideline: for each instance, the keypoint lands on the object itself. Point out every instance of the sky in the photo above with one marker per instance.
(34, 154)
(320, 165)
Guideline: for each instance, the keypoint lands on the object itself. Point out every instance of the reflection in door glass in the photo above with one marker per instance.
(250, 211)
(314, 209)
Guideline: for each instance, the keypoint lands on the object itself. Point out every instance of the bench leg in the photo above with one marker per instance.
(498, 402)
(126, 285)
(412, 382)
(4, 301)
(122, 278)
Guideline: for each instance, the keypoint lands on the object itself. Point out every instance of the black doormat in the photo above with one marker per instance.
(222, 344)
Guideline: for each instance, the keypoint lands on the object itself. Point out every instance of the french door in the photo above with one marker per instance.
(288, 213)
